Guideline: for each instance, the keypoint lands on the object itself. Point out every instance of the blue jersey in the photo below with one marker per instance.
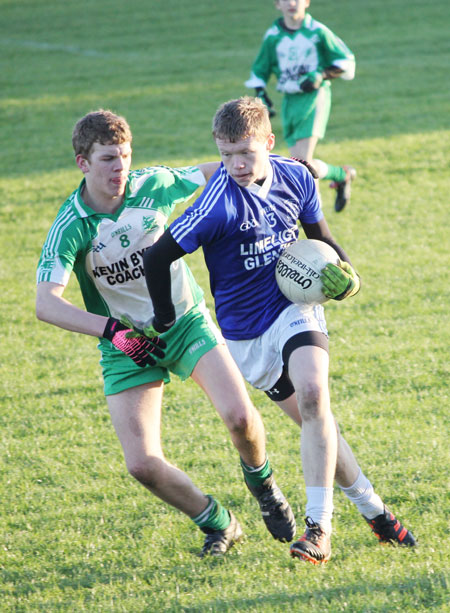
(242, 232)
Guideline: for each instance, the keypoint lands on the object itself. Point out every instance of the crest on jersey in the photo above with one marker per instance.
(148, 224)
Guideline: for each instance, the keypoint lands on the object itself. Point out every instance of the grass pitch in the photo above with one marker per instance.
(78, 534)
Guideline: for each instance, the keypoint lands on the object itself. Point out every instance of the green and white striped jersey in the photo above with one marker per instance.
(105, 251)
(289, 54)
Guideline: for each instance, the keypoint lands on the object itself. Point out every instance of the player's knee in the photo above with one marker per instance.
(311, 401)
(148, 470)
(239, 420)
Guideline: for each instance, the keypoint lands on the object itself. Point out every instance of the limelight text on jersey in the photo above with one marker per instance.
(264, 251)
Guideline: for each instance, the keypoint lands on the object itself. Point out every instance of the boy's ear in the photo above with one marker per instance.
(82, 163)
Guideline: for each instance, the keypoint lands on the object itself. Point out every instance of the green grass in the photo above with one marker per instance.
(77, 533)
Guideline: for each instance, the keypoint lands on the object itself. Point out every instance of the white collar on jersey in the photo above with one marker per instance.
(263, 190)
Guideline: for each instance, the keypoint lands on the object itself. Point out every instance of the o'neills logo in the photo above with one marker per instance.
(303, 275)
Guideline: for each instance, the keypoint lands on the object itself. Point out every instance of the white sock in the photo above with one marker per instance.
(319, 506)
(362, 494)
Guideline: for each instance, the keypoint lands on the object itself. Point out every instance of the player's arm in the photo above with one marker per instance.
(321, 232)
(54, 309)
(157, 260)
(314, 79)
(208, 169)
(332, 72)
(261, 71)
(339, 59)
(261, 92)
(341, 281)
(339, 63)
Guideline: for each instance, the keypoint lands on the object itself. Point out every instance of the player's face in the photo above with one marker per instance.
(246, 160)
(106, 170)
(292, 10)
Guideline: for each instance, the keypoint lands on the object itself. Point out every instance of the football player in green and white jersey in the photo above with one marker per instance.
(100, 233)
(305, 55)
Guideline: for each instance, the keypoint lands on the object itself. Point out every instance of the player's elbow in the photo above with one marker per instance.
(41, 311)
(347, 68)
(349, 72)
(43, 307)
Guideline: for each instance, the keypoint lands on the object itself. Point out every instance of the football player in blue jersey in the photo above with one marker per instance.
(246, 215)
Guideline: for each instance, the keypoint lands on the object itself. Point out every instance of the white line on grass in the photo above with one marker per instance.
(40, 46)
(127, 55)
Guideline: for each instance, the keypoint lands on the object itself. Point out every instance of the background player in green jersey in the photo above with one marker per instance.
(305, 55)
(100, 233)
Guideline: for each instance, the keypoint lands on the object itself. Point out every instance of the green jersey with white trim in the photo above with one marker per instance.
(105, 251)
(289, 54)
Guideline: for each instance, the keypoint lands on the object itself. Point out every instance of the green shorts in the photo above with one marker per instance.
(190, 338)
(305, 115)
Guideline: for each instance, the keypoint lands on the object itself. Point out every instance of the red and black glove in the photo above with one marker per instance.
(136, 346)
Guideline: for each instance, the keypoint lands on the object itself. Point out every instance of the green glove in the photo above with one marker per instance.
(151, 331)
(339, 282)
(148, 331)
(136, 332)
(311, 81)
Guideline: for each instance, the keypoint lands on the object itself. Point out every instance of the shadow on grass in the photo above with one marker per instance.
(422, 586)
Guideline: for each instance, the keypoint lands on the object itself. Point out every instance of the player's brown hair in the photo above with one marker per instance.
(104, 127)
(241, 118)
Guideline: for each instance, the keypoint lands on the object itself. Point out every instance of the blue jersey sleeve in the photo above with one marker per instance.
(207, 219)
(298, 183)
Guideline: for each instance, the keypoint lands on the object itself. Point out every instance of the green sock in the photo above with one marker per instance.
(215, 516)
(335, 173)
(256, 475)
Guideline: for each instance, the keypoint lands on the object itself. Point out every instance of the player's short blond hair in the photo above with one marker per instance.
(104, 127)
(242, 118)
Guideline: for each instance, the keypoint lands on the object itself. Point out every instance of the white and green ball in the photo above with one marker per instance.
(299, 268)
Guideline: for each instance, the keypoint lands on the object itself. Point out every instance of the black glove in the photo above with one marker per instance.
(134, 345)
(311, 81)
(261, 93)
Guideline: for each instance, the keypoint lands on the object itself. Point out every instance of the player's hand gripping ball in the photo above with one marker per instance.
(340, 281)
(299, 268)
